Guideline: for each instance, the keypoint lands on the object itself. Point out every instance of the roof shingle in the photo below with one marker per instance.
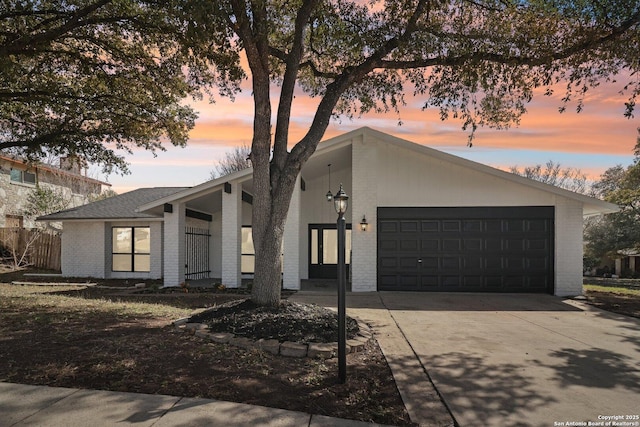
(121, 206)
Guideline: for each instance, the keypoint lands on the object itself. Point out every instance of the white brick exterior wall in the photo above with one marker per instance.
(292, 240)
(568, 253)
(231, 236)
(174, 245)
(83, 249)
(364, 201)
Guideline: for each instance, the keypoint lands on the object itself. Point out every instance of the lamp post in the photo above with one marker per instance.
(341, 202)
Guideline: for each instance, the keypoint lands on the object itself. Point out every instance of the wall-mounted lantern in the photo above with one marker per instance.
(364, 224)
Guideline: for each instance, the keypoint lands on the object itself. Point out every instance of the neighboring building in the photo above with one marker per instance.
(18, 179)
(628, 265)
(435, 222)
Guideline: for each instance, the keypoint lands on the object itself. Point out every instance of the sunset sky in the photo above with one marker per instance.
(597, 138)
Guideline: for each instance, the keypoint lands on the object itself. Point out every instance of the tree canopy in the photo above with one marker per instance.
(476, 60)
(94, 78)
(613, 234)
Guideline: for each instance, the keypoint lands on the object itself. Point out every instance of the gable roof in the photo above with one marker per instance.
(116, 207)
(591, 205)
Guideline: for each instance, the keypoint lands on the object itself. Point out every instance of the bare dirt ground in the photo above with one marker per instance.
(120, 339)
(615, 300)
(78, 336)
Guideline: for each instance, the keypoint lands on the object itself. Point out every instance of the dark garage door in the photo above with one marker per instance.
(487, 249)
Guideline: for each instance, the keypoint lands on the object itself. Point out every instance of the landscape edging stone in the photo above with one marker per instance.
(287, 349)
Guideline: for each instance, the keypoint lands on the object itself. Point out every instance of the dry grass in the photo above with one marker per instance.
(75, 336)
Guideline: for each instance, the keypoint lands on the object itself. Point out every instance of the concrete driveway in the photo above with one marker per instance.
(508, 360)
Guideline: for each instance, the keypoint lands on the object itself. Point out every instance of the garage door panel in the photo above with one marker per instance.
(430, 226)
(472, 244)
(429, 263)
(515, 225)
(388, 227)
(451, 226)
(537, 244)
(473, 282)
(493, 244)
(388, 245)
(408, 281)
(429, 282)
(540, 264)
(429, 245)
(388, 263)
(540, 226)
(466, 249)
(408, 263)
(449, 245)
(515, 244)
(409, 244)
(472, 262)
(493, 226)
(450, 263)
(409, 226)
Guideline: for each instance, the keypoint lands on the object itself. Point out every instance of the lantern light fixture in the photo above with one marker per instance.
(341, 201)
(364, 224)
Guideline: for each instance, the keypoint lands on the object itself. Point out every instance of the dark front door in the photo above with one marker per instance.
(323, 251)
(492, 249)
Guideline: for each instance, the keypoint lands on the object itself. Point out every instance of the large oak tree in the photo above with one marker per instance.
(476, 60)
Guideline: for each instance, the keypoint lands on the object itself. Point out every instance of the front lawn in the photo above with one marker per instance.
(615, 299)
(77, 336)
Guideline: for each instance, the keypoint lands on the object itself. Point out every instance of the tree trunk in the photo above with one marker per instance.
(268, 277)
(269, 219)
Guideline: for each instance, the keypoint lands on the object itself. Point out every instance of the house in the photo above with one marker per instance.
(434, 222)
(628, 265)
(18, 179)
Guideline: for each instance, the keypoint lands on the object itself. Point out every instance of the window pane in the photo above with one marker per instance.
(347, 246)
(330, 246)
(247, 241)
(122, 240)
(143, 241)
(247, 263)
(16, 175)
(314, 246)
(142, 262)
(29, 178)
(121, 262)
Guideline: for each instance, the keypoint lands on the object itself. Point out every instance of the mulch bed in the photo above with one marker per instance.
(290, 321)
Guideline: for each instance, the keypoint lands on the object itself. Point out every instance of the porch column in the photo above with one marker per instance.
(292, 240)
(364, 201)
(174, 246)
(231, 235)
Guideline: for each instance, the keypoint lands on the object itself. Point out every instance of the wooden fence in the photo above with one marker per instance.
(36, 248)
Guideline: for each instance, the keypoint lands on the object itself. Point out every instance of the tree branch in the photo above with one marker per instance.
(292, 63)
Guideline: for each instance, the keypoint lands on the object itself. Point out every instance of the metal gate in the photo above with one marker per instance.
(197, 253)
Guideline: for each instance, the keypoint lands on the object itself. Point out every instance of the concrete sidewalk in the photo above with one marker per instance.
(27, 405)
